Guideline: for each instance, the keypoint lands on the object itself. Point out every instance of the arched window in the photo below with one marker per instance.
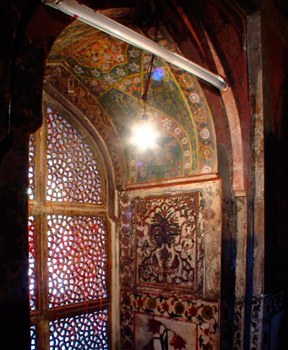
(69, 259)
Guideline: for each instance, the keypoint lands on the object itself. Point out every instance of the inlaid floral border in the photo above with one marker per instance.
(203, 313)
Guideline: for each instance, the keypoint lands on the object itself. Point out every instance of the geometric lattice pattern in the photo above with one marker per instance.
(31, 177)
(33, 337)
(73, 174)
(77, 259)
(67, 235)
(82, 332)
(166, 229)
(32, 262)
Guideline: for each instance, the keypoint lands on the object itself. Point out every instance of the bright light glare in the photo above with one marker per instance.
(144, 136)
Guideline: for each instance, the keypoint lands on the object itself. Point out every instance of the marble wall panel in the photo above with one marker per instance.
(187, 323)
(170, 260)
(194, 210)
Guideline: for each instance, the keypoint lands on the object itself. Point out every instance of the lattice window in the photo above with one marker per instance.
(68, 239)
(31, 189)
(33, 337)
(73, 279)
(84, 332)
(72, 168)
(32, 262)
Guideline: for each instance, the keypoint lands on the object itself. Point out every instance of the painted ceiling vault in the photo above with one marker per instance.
(109, 77)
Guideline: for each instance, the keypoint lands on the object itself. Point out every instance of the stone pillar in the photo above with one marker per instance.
(21, 76)
(14, 295)
(258, 235)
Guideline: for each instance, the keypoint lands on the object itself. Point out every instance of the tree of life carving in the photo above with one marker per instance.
(166, 230)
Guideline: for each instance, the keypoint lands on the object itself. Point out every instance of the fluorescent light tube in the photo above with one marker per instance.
(107, 25)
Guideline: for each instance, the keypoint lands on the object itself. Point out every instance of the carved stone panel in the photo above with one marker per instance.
(165, 230)
(170, 239)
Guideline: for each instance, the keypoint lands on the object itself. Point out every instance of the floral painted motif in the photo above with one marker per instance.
(161, 336)
(207, 312)
(105, 67)
(153, 256)
(166, 240)
(178, 342)
(167, 329)
(165, 228)
(202, 119)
